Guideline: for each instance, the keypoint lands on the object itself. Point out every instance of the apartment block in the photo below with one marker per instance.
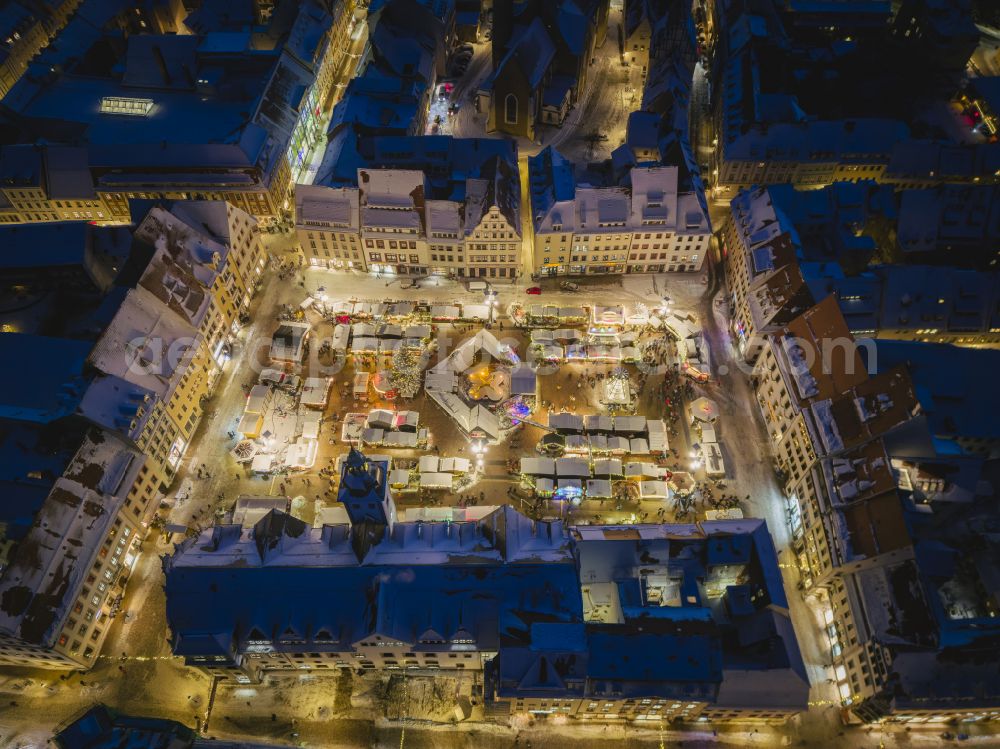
(644, 226)
(422, 205)
(66, 569)
(785, 248)
(327, 221)
(933, 304)
(25, 29)
(951, 225)
(927, 163)
(243, 146)
(884, 470)
(207, 262)
(149, 345)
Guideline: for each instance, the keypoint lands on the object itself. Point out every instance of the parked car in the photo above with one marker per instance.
(534, 290)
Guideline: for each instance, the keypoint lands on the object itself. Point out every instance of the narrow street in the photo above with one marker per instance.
(751, 474)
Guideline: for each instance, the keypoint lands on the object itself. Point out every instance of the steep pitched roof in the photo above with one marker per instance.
(532, 52)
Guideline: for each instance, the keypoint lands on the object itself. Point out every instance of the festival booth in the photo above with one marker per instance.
(360, 386)
(288, 342)
(315, 392)
(598, 489)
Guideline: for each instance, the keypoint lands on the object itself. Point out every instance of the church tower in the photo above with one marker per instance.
(364, 491)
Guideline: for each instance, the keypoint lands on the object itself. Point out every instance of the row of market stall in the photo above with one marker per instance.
(612, 434)
(383, 338)
(572, 478)
(431, 472)
(615, 315)
(348, 311)
(383, 428)
(569, 344)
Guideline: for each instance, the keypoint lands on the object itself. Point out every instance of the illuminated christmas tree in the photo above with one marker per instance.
(405, 372)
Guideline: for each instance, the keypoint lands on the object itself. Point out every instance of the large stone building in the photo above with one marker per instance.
(556, 616)
(68, 555)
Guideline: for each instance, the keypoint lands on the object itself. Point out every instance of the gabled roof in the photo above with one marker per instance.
(532, 52)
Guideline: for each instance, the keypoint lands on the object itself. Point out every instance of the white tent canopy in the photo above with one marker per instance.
(572, 468)
(598, 488)
(654, 490)
(566, 422)
(538, 466)
(608, 467)
(436, 480)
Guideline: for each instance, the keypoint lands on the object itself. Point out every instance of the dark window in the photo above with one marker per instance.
(510, 109)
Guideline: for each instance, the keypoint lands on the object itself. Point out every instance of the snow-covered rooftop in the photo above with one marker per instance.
(49, 564)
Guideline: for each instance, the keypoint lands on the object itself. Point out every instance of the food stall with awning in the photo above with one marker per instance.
(572, 468)
(567, 335)
(540, 335)
(454, 465)
(656, 430)
(523, 380)
(599, 423)
(640, 470)
(250, 425)
(360, 386)
(399, 478)
(315, 392)
(606, 467)
(598, 488)
(656, 489)
(341, 337)
(538, 466)
(572, 313)
(566, 422)
(544, 486)
(608, 315)
(475, 312)
(445, 312)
